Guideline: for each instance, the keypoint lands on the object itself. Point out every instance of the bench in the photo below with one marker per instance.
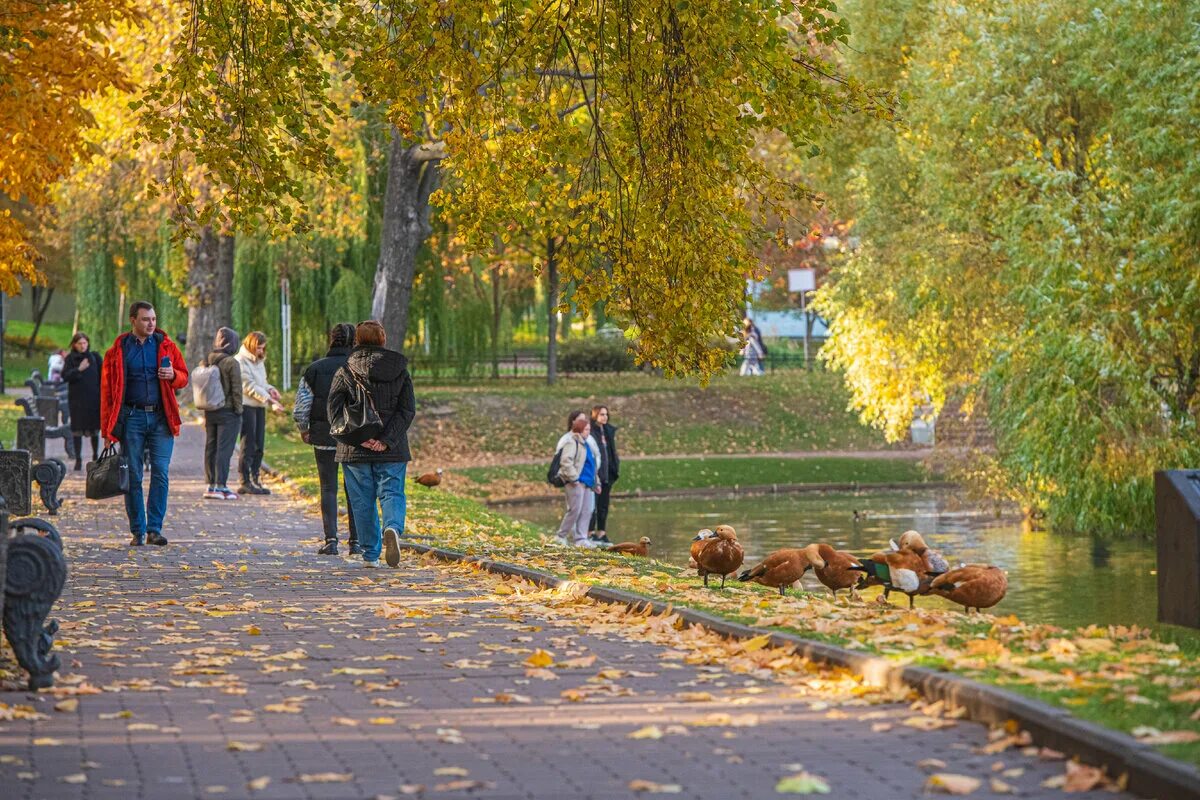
(19, 469)
(33, 572)
(49, 402)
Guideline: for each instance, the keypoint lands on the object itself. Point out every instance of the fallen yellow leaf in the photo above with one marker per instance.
(949, 783)
(540, 658)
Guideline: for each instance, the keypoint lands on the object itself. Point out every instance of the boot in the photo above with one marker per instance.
(257, 487)
(355, 550)
(329, 548)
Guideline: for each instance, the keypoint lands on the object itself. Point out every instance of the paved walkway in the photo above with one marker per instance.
(235, 663)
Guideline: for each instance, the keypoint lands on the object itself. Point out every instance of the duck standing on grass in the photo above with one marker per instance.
(784, 568)
(639, 548)
(896, 570)
(976, 586)
(431, 479)
(721, 556)
(699, 542)
(839, 569)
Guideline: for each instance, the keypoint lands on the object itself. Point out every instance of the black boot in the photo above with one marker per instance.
(256, 482)
(78, 464)
(329, 548)
(355, 550)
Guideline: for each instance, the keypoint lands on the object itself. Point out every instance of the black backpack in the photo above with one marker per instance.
(552, 476)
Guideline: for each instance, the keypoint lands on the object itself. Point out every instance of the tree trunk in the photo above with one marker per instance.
(551, 312)
(210, 297)
(412, 177)
(39, 313)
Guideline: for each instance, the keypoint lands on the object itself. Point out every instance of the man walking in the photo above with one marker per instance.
(141, 372)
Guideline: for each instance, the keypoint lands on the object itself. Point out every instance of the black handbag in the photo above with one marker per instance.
(108, 475)
(357, 420)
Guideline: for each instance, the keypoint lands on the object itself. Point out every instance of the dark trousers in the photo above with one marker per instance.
(220, 437)
(254, 436)
(95, 437)
(600, 515)
(327, 473)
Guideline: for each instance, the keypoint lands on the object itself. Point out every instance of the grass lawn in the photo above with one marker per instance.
(1125, 678)
(9, 414)
(787, 411)
(696, 473)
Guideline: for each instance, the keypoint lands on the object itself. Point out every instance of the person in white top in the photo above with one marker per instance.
(578, 464)
(257, 396)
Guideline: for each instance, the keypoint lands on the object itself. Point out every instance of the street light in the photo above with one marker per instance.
(803, 281)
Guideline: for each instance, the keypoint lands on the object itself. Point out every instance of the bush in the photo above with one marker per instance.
(595, 355)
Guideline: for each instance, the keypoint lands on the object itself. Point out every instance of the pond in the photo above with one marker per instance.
(1063, 580)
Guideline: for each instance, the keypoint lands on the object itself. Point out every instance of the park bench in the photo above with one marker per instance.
(32, 574)
(49, 401)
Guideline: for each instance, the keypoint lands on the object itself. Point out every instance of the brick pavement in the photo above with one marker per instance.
(235, 655)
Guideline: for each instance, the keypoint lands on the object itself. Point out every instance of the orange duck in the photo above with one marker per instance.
(976, 586)
(699, 542)
(784, 567)
(839, 570)
(896, 570)
(935, 563)
(639, 548)
(721, 556)
(431, 478)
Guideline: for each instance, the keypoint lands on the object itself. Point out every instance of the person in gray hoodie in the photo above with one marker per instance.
(221, 426)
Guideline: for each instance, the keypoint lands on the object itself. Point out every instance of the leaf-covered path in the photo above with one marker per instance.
(236, 663)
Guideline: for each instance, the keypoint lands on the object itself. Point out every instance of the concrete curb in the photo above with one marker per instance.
(1151, 774)
(740, 491)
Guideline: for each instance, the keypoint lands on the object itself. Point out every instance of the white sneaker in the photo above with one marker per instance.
(588, 544)
(371, 564)
(560, 541)
(213, 494)
(391, 546)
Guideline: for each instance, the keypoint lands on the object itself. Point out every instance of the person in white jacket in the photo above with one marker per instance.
(578, 464)
(257, 396)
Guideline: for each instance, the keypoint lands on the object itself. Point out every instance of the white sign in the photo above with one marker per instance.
(802, 280)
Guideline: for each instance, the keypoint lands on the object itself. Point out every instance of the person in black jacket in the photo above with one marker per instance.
(81, 371)
(375, 470)
(608, 472)
(312, 419)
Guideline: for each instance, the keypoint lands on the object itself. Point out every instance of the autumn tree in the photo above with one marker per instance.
(648, 109)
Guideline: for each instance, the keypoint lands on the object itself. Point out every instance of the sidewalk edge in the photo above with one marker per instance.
(1151, 774)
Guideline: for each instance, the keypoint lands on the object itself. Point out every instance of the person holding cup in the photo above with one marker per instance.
(257, 396)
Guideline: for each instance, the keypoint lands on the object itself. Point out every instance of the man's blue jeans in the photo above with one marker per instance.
(372, 486)
(147, 431)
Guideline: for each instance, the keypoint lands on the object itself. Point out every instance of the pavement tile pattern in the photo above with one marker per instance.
(236, 663)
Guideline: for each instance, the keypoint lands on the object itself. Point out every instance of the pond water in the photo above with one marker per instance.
(1063, 580)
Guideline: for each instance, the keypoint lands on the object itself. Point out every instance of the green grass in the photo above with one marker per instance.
(696, 473)
(785, 411)
(9, 414)
(50, 334)
(1100, 686)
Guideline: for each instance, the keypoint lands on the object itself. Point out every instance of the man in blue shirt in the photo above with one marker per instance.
(141, 372)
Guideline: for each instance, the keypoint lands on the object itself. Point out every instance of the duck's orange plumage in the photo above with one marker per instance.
(837, 571)
(975, 586)
(639, 548)
(784, 567)
(721, 556)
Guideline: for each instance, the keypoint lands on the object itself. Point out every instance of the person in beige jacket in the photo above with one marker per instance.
(257, 396)
(578, 464)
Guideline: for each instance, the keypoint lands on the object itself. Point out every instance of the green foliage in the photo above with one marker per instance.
(1028, 240)
(595, 354)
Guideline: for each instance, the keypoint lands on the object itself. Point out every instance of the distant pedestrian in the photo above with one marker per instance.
(577, 465)
(607, 473)
(141, 373)
(312, 418)
(376, 469)
(81, 371)
(222, 425)
(753, 350)
(257, 396)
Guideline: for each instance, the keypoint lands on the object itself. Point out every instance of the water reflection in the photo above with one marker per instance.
(1064, 580)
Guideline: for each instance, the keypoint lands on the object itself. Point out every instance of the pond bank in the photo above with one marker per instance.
(736, 491)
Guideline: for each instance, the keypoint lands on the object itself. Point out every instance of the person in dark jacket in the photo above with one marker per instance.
(81, 371)
(607, 473)
(376, 469)
(222, 425)
(312, 419)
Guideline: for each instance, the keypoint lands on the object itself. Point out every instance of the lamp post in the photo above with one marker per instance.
(803, 281)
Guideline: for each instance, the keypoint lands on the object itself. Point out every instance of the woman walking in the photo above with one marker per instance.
(221, 425)
(81, 371)
(312, 419)
(257, 395)
(753, 351)
(604, 435)
(376, 469)
(577, 465)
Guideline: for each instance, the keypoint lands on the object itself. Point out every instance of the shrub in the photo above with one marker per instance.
(595, 355)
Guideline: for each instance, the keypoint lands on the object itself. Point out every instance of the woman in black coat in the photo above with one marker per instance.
(81, 371)
(608, 471)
